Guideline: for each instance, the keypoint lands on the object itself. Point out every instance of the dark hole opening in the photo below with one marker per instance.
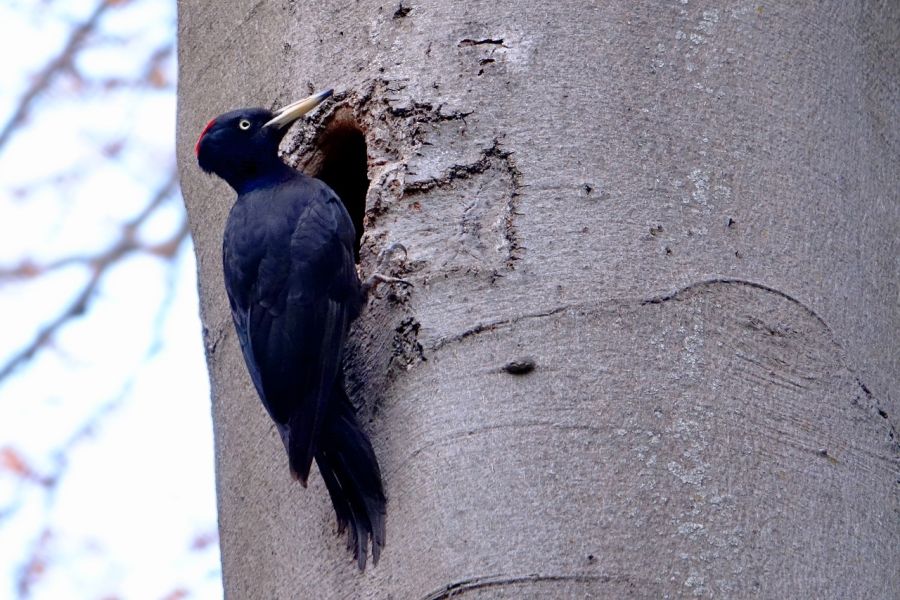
(341, 161)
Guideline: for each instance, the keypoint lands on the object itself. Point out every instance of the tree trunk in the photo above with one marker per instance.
(652, 347)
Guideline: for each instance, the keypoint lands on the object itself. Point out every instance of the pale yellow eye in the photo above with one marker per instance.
(244, 124)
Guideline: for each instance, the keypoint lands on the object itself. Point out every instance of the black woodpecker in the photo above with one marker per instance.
(292, 284)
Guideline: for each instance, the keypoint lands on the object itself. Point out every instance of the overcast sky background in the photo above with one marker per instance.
(106, 457)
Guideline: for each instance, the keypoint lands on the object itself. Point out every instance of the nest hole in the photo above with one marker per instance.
(341, 160)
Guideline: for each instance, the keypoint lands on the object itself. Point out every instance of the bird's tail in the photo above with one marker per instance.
(350, 470)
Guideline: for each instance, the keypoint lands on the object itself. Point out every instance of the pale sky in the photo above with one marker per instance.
(133, 515)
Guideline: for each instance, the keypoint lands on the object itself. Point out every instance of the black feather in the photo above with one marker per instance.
(290, 275)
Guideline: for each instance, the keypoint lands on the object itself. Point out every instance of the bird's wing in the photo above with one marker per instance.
(322, 261)
(305, 297)
(241, 260)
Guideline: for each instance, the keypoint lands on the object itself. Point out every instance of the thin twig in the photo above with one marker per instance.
(61, 63)
(99, 264)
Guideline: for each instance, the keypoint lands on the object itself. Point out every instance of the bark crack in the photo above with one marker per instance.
(736, 281)
(464, 171)
(491, 581)
(493, 325)
(484, 41)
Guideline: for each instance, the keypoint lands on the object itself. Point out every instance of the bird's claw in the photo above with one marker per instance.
(388, 251)
(383, 261)
(372, 282)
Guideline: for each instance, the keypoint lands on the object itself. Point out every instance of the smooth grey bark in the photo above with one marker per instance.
(685, 214)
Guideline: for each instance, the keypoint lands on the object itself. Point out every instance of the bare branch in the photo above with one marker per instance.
(99, 265)
(32, 571)
(63, 62)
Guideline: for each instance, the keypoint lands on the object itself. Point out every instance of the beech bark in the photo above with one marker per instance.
(652, 348)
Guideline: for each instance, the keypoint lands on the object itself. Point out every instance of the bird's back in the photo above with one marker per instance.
(293, 288)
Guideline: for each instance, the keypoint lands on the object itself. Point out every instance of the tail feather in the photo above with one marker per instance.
(350, 470)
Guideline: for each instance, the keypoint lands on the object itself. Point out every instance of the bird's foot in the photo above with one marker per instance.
(383, 260)
(372, 282)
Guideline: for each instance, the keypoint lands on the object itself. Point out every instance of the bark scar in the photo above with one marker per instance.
(485, 41)
(493, 325)
(873, 405)
(480, 583)
(735, 281)
(485, 216)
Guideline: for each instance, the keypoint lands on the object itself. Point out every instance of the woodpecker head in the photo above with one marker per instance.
(242, 145)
